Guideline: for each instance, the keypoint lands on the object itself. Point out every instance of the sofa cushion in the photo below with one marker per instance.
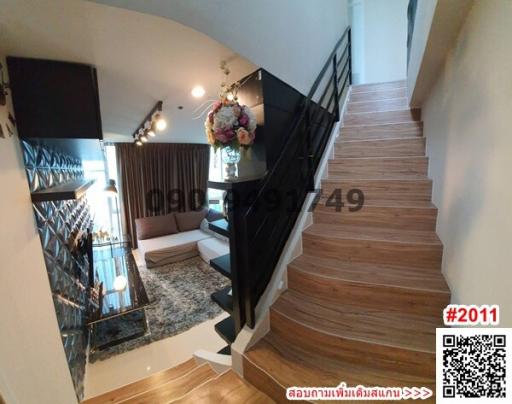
(214, 215)
(170, 248)
(155, 226)
(190, 220)
(211, 248)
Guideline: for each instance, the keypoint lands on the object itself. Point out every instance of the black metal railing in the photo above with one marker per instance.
(272, 213)
(411, 16)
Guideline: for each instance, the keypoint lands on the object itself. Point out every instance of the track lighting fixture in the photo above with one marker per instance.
(153, 122)
(160, 122)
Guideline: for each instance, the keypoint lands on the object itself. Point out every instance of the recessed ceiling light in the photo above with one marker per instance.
(198, 91)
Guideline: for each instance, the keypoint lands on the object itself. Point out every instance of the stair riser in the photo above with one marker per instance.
(378, 95)
(385, 190)
(354, 351)
(376, 216)
(402, 300)
(262, 381)
(413, 255)
(389, 131)
(376, 118)
(375, 106)
(380, 167)
(363, 88)
(381, 148)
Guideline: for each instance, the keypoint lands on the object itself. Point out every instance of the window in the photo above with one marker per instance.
(104, 208)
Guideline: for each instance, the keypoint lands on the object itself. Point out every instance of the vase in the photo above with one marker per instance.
(230, 157)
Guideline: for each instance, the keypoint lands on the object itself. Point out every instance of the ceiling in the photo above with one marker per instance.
(140, 59)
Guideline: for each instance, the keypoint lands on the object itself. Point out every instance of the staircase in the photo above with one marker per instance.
(185, 383)
(365, 297)
(224, 297)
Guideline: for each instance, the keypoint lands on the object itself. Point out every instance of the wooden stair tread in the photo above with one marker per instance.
(226, 388)
(373, 325)
(380, 131)
(176, 388)
(291, 366)
(384, 204)
(387, 275)
(387, 104)
(386, 140)
(382, 117)
(393, 147)
(378, 95)
(363, 88)
(334, 177)
(321, 230)
(383, 159)
(139, 386)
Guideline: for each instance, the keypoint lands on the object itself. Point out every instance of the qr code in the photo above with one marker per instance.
(472, 363)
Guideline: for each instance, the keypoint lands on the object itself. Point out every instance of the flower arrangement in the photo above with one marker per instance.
(229, 124)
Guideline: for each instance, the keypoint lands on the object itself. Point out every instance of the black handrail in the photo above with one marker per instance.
(266, 226)
(411, 16)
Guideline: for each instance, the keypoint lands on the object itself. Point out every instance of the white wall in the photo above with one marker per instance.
(384, 32)
(33, 367)
(436, 28)
(422, 23)
(467, 120)
(289, 38)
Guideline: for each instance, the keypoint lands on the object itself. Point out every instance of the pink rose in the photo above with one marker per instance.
(210, 116)
(224, 135)
(216, 106)
(244, 137)
(243, 120)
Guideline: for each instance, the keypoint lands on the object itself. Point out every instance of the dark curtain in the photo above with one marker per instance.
(160, 178)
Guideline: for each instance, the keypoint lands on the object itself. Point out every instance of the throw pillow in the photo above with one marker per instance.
(214, 215)
(204, 227)
(155, 226)
(190, 220)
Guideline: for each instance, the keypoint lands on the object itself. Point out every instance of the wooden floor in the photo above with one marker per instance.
(185, 383)
(365, 298)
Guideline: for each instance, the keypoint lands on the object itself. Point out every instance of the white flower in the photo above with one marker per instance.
(224, 118)
(252, 119)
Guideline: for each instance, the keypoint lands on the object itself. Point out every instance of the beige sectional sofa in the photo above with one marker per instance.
(179, 236)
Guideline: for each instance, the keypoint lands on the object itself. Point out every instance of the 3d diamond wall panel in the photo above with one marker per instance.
(67, 271)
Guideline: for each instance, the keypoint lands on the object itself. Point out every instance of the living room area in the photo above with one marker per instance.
(127, 189)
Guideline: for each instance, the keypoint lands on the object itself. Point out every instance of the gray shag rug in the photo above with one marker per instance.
(180, 299)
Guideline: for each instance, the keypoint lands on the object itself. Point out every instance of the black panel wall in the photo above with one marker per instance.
(67, 271)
